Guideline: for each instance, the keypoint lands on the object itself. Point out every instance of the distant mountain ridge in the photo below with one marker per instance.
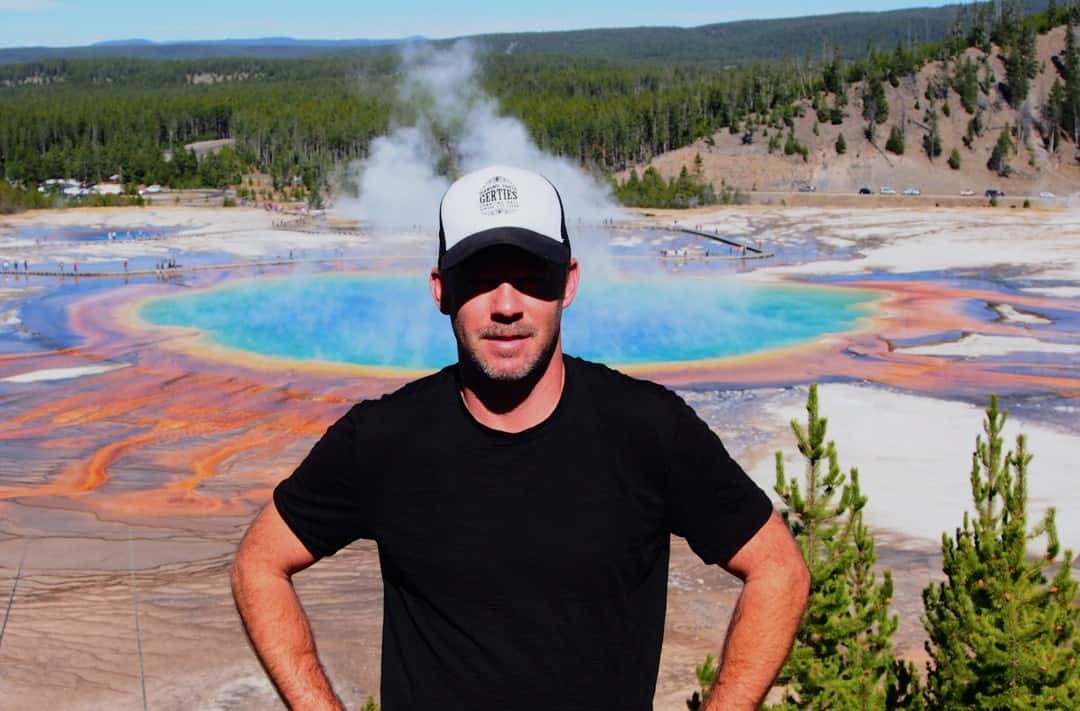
(122, 42)
(719, 43)
(262, 42)
(261, 48)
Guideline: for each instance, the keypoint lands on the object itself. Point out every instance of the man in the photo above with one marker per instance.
(522, 502)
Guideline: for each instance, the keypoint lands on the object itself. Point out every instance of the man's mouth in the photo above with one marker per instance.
(506, 343)
(499, 335)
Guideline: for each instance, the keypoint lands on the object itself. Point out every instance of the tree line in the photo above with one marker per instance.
(89, 119)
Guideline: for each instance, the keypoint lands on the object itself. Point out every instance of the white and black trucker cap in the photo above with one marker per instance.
(502, 205)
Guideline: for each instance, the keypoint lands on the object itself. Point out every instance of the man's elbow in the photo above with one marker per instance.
(799, 580)
(253, 569)
(788, 574)
(246, 571)
(792, 568)
(238, 574)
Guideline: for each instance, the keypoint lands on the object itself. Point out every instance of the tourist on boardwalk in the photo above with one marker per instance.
(522, 501)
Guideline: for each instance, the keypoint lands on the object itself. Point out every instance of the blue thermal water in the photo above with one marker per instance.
(390, 320)
(93, 234)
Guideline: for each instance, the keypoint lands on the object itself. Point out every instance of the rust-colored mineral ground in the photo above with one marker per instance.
(124, 490)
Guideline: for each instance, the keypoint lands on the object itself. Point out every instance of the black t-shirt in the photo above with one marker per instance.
(525, 570)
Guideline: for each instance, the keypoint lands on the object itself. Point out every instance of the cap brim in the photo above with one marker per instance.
(528, 240)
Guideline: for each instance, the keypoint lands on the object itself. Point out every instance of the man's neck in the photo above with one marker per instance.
(504, 407)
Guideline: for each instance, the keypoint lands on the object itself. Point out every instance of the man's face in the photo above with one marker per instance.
(506, 307)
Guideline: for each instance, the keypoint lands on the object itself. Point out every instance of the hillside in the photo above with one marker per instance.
(718, 43)
(849, 33)
(864, 164)
(299, 120)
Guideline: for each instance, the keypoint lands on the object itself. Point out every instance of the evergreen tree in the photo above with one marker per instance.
(1008, 22)
(875, 104)
(793, 146)
(842, 657)
(1001, 636)
(954, 159)
(955, 40)
(966, 84)
(1053, 13)
(832, 75)
(629, 192)
(1021, 65)
(682, 190)
(974, 130)
(841, 145)
(706, 677)
(999, 158)
(932, 138)
(1051, 113)
(896, 141)
(1070, 110)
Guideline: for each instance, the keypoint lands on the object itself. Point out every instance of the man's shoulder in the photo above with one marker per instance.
(598, 375)
(410, 400)
(620, 396)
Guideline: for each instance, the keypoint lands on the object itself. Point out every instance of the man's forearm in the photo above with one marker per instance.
(280, 633)
(759, 638)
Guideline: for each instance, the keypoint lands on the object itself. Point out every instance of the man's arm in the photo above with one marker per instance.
(275, 622)
(767, 616)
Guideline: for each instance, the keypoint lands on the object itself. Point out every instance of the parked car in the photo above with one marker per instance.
(967, 193)
(912, 191)
(806, 188)
(865, 191)
(1047, 195)
(886, 190)
(995, 193)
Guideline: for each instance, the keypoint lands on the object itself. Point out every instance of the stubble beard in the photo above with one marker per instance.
(495, 369)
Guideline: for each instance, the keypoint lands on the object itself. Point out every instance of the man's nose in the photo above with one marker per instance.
(506, 303)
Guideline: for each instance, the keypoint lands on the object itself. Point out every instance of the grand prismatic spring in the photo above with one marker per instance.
(151, 402)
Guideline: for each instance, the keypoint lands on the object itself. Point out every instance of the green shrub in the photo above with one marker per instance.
(793, 146)
(842, 657)
(706, 677)
(1002, 636)
(15, 198)
(895, 143)
(999, 158)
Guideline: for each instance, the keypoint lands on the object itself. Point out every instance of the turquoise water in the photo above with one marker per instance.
(390, 320)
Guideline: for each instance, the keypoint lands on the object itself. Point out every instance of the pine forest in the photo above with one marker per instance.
(89, 119)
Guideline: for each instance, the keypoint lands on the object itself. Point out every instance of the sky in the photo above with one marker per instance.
(58, 23)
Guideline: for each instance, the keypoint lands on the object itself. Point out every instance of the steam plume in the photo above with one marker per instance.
(446, 121)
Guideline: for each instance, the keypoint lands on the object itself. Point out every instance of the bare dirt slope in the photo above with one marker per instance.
(865, 164)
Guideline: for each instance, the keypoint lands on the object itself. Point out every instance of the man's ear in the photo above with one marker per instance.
(438, 290)
(573, 274)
